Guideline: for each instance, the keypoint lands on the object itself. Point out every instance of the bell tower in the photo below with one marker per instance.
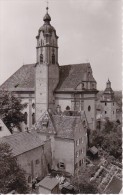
(47, 67)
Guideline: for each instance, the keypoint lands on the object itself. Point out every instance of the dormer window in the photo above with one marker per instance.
(41, 58)
(45, 121)
(53, 59)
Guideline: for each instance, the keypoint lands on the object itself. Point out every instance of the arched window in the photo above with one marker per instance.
(41, 42)
(53, 59)
(68, 108)
(84, 123)
(89, 108)
(33, 118)
(33, 105)
(29, 179)
(25, 117)
(41, 58)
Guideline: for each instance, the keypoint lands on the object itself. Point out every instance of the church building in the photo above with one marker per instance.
(46, 85)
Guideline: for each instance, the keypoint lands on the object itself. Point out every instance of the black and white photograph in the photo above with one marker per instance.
(61, 97)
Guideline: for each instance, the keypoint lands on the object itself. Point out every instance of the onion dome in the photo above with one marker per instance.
(47, 28)
(47, 18)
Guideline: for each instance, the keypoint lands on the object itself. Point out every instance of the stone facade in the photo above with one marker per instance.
(68, 135)
(33, 155)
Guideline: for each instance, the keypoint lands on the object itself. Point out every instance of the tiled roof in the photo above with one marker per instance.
(61, 125)
(66, 125)
(70, 76)
(23, 78)
(22, 142)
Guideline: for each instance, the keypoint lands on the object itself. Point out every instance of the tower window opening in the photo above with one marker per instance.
(41, 42)
(105, 112)
(41, 58)
(105, 104)
(89, 108)
(53, 59)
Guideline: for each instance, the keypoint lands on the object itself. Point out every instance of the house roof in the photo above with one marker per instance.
(61, 126)
(48, 182)
(70, 76)
(23, 78)
(22, 142)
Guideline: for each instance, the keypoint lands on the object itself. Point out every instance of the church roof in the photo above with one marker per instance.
(22, 142)
(70, 76)
(22, 79)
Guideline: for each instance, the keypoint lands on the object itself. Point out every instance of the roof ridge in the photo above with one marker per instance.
(75, 64)
(66, 116)
(29, 64)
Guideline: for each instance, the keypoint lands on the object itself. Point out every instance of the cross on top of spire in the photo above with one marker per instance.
(47, 6)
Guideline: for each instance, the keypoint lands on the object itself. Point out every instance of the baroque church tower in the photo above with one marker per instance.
(108, 103)
(47, 68)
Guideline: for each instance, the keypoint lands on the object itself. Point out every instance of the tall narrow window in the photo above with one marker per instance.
(53, 59)
(25, 118)
(89, 108)
(33, 118)
(41, 42)
(41, 58)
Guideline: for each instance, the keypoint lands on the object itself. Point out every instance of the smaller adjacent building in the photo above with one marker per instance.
(49, 185)
(68, 134)
(33, 155)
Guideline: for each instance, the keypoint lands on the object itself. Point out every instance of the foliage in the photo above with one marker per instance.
(12, 177)
(82, 180)
(10, 110)
(118, 99)
(109, 139)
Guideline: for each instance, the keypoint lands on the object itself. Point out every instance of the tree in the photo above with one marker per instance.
(82, 181)
(12, 177)
(10, 110)
(109, 139)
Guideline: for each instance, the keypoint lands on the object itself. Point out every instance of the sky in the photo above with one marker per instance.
(88, 30)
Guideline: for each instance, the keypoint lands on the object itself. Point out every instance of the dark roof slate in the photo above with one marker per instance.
(70, 76)
(22, 142)
(23, 78)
